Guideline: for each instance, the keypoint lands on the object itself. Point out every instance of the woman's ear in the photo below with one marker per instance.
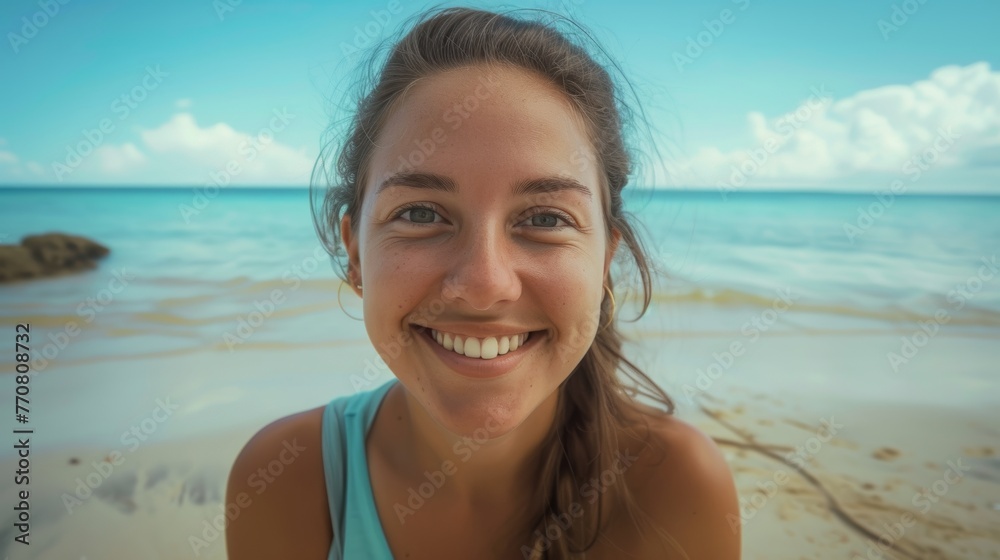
(353, 255)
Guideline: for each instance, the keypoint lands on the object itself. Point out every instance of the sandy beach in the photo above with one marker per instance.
(882, 467)
(893, 481)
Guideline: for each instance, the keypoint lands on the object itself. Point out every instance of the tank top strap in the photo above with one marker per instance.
(356, 525)
(334, 450)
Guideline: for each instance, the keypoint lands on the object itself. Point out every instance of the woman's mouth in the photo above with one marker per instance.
(486, 348)
(479, 357)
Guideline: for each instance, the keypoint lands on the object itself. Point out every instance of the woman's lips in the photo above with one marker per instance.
(479, 368)
(486, 348)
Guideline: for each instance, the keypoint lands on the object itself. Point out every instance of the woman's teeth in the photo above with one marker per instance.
(484, 348)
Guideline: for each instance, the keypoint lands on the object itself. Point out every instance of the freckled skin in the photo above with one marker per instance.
(488, 256)
(484, 258)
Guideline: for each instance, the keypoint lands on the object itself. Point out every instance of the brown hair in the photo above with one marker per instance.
(594, 404)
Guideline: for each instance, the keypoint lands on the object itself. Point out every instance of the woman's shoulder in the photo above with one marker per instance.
(276, 493)
(682, 481)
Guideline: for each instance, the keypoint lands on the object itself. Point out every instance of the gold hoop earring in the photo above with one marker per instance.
(614, 308)
(342, 305)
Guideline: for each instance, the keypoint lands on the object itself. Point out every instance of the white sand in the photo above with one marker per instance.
(900, 434)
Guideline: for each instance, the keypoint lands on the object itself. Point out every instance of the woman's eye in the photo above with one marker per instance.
(549, 219)
(544, 220)
(541, 219)
(418, 214)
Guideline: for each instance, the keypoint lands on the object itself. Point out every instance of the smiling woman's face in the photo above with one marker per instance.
(482, 216)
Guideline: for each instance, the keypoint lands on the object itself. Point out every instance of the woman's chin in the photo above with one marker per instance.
(478, 423)
(490, 417)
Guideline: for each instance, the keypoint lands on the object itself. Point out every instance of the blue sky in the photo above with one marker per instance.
(783, 95)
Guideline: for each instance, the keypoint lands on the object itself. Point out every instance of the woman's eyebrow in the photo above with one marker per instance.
(421, 180)
(550, 185)
(418, 181)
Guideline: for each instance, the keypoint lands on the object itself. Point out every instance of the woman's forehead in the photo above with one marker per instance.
(477, 120)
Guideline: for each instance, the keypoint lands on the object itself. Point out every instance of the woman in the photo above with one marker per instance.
(478, 198)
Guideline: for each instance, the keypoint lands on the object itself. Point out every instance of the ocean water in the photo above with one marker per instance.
(849, 254)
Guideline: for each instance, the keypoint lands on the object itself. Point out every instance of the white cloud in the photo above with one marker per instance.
(182, 133)
(7, 157)
(117, 160)
(873, 133)
(178, 152)
(12, 169)
(257, 157)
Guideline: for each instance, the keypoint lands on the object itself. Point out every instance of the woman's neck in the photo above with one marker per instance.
(473, 471)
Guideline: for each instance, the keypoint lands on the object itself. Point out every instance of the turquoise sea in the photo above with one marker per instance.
(849, 253)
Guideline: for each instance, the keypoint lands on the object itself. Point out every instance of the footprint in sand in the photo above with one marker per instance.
(886, 454)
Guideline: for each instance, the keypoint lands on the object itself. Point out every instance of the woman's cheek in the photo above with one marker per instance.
(578, 323)
(577, 338)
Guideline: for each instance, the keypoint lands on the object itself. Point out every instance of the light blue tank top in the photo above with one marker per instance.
(357, 532)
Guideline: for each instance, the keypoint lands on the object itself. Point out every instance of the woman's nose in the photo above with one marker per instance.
(482, 273)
